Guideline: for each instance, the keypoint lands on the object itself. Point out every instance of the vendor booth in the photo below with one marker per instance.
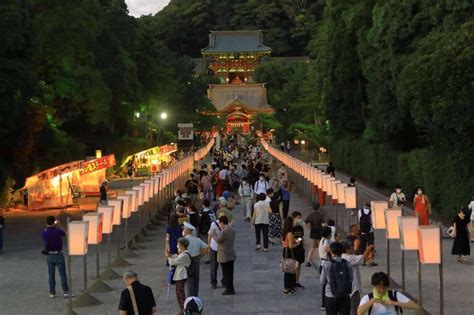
(93, 174)
(53, 188)
(150, 161)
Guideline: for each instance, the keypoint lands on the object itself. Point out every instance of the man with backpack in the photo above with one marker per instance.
(382, 301)
(337, 276)
(366, 230)
(261, 185)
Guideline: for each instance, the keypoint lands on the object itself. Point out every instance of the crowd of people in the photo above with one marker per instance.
(200, 230)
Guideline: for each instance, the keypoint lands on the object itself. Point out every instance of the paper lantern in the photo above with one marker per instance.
(378, 213)
(329, 185)
(408, 226)
(107, 218)
(319, 179)
(78, 232)
(134, 195)
(118, 205)
(126, 205)
(146, 191)
(334, 184)
(350, 197)
(391, 222)
(324, 182)
(140, 198)
(95, 220)
(340, 192)
(156, 185)
(429, 244)
(151, 188)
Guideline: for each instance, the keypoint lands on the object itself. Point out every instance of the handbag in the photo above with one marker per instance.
(288, 265)
(134, 300)
(452, 231)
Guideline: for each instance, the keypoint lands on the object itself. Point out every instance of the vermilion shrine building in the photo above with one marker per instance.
(232, 56)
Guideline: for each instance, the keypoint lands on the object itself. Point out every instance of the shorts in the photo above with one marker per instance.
(315, 234)
(299, 253)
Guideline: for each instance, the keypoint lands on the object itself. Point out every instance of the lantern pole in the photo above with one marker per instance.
(388, 254)
(420, 293)
(69, 278)
(85, 272)
(403, 270)
(97, 260)
(441, 280)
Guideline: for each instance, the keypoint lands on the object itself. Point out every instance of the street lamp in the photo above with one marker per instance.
(163, 115)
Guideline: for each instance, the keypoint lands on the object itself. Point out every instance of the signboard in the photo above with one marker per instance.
(185, 131)
(98, 164)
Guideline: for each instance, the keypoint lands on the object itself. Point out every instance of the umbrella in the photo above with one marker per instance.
(170, 279)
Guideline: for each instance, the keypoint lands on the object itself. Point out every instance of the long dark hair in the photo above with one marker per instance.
(174, 223)
(287, 226)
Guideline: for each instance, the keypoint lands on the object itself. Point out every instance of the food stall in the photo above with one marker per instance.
(150, 161)
(53, 188)
(93, 174)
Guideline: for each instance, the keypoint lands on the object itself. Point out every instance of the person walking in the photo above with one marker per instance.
(261, 185)
(53, 245)
(462, 234)
(136, 298)
(196, 249)
(382, 301)
(298, 251)
(2, 228)
(214, 229)
(367, 236)
(289, 243)
(285, 189)
(103, 192)
(192, 186)
(226, 254)
(324, 255)
(276, 218)
(261, 221)
(180, 262)
(246, 196)
(337, 277)
(206, 184)
(173, 232)
(356, 261)
(422, 206)
(315, 222)
(397, 199)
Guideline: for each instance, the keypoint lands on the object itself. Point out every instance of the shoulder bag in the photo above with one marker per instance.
(134, 300)
(288, 265)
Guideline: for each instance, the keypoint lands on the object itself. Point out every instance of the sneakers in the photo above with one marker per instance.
(308, 264)
(299, 286)
(66, 295)
(322, 308)
(289, 292)
(52, 295)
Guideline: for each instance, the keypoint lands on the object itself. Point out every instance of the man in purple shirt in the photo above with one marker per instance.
(53, 244)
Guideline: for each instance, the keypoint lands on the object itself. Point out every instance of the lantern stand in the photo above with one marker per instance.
(85, 299)
(119, 261)
(69, 310)
(99, 286)
(109, 273)
(420, 290)
(131, 245)
(403, 270)
(441, 278)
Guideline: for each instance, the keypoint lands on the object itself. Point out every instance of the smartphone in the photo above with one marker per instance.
(299, 239)
(56, 222)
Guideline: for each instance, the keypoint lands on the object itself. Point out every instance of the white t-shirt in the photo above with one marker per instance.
(380, 309)
(393, 198)
(471, 207)
(333, 233)
(323, 254)
(214, 227)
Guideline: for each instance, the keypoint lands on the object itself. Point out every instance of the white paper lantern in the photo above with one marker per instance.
(107, 218)
(78, 233)
(118, 205)
(134, 195)
(95, 220)
(146, 191)
(429, 244)
(408, 226)
(350, 197)
(341, 193)
(126, 206)
(334, 184)
(391, 222)
(141, 194)
(378, 213)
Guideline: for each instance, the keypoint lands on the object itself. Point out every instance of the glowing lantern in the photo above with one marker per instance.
(378, 216)
(141, 194)
(391, 222)
(127, 205)
(134, 195)
(429, 244)
(340, 192)
(107, 218)
(350, 197)
(117, 216)
(153, 186)
(408, 226)
(78, 232)
(319, 179)
(324, 182)
(146, 191)
(98, 154)
(329, 181)
(334, 184)
(95, 220)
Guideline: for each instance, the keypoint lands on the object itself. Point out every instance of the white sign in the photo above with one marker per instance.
(185, 131)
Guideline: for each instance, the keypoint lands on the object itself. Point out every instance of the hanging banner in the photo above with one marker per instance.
(98, 164)
(185, 131)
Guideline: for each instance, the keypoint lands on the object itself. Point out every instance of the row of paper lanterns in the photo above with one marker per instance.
(425, 239)
(95, 224)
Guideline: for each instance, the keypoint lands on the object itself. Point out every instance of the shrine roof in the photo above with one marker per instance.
(236, 41)
(251, 97)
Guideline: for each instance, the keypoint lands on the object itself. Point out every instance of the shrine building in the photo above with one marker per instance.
(232, 56)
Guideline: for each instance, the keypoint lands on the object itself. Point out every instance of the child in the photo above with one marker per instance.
(332, 226)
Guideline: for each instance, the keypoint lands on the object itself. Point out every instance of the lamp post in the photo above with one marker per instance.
(163, 116)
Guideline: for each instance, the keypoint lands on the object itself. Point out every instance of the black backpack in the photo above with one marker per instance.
(365, 221)
(340, 278)
(392, 295)
(205, 222)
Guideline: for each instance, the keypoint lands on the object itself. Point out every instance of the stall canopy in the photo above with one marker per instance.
(93, 174)
(52, 188)
(151, 160)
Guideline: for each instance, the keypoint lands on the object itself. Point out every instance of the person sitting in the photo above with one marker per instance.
(382, 301)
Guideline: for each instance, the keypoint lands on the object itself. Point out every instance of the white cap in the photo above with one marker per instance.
(189, 226)
(193, 304)
(223, 200)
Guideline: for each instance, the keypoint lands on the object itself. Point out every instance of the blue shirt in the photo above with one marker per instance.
(175, 233)
(285, 194)
(53, 239)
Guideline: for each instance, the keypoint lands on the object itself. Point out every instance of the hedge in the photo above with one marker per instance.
(442, 178)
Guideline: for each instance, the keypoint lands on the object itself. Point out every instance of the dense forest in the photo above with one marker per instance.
(388, 88)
